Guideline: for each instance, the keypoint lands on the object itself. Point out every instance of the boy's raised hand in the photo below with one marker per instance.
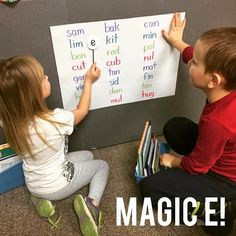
(175, 34)
(92, 74)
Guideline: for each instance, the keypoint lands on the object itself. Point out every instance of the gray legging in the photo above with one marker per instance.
(86, 170)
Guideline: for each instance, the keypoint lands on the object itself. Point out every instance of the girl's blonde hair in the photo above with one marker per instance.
(21, 100)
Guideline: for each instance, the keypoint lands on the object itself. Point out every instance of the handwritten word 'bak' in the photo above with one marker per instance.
(111, 28)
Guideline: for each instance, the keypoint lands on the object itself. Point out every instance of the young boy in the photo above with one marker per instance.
(208, 165)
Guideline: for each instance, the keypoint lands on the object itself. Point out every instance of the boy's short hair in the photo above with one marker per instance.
(220, 54)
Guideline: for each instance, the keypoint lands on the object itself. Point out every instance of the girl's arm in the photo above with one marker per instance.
(83, 106)
(175, 34)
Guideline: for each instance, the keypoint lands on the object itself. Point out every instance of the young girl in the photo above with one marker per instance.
(207, 165)
(38, 135)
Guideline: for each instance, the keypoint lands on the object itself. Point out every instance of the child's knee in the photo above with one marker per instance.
(89, 154)
(104, 165)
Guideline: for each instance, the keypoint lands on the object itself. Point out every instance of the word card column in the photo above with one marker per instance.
(78, 49)
(113, 61)
(149, 62)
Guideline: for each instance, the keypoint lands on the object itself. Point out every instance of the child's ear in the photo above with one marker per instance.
(215, 80)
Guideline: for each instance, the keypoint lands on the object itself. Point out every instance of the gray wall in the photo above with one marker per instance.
(24, 28)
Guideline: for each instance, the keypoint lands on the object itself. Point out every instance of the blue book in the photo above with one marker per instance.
(156, 158)
(146, 145)
(6, 151)
(150, 158)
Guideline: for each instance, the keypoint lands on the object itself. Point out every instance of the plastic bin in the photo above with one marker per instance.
(11, 178)
(163, 148)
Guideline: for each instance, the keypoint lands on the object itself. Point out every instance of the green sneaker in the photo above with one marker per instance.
(44, 207)
(97, 215)
(88, 216)
(199, 210)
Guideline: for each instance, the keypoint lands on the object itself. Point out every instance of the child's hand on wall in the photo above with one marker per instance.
(175, 34)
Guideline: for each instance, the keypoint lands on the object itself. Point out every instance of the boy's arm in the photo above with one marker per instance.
(175, 34)
(170, 160)
(83, 106)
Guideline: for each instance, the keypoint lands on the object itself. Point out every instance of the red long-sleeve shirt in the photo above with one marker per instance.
(215, 149)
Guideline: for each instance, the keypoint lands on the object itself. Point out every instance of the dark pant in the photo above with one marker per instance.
(181, 134)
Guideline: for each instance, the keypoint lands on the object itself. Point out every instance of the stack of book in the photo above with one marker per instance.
(8, 157)
(11, 172)
(149, 151)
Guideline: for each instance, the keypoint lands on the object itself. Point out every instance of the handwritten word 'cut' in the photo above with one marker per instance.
(80, 66)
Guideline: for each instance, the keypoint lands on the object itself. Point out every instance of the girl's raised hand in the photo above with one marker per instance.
(92, 74)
